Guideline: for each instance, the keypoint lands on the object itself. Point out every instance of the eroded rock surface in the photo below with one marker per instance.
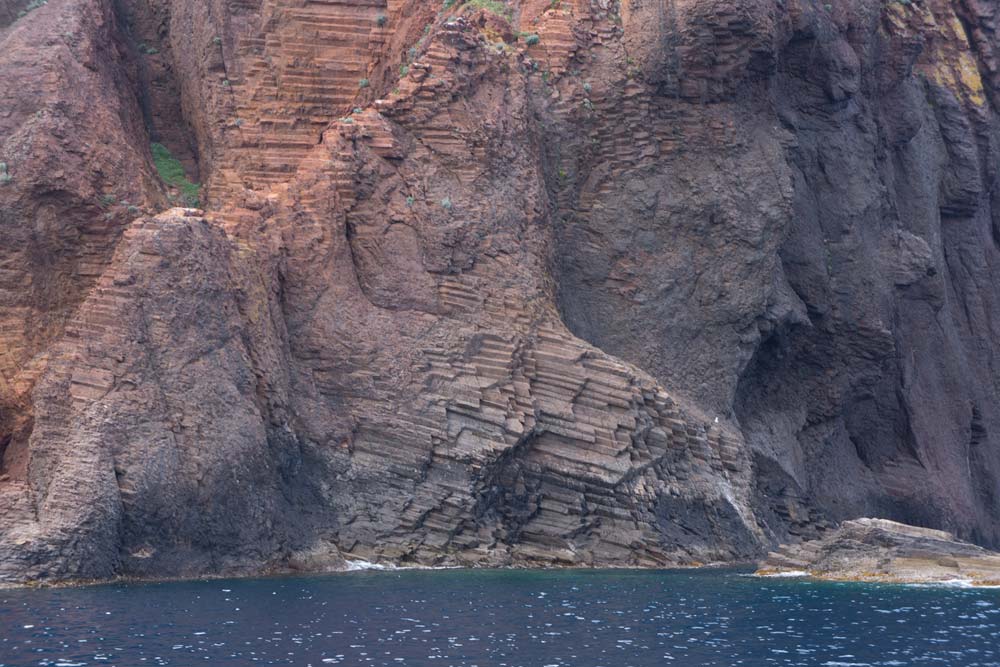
(578, 282)
(886, 551)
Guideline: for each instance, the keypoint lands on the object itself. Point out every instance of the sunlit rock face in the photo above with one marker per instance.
(878, 550)
(574, 283)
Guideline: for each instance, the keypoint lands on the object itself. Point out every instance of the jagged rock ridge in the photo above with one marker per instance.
(577, 282)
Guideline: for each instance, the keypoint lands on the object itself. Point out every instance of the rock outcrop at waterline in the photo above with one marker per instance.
(876, 550)
(583, 282)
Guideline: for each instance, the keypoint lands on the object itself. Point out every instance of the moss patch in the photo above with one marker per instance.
(172, 173)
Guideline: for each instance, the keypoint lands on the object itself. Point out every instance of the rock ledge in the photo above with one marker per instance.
(885, 551)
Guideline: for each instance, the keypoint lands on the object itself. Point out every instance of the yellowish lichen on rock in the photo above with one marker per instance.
(968, 75)
(952, 64)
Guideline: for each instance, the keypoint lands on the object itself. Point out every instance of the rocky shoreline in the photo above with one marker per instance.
(859, 550)
(878, 550)
(348, 566)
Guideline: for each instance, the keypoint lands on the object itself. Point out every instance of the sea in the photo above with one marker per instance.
(502, 618)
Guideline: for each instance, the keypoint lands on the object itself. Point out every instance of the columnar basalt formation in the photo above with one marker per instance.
(573, 283)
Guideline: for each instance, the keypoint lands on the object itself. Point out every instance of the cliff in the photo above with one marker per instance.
(571, 282)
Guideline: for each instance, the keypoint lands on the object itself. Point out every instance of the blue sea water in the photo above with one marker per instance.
(502, 618)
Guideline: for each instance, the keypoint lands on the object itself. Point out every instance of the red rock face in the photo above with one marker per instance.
(576, 283)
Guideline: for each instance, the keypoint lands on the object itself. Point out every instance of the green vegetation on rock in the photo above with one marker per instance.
(34, 4)
(494, 6)
(172, 173)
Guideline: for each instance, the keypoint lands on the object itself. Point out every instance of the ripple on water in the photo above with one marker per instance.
(503, 619)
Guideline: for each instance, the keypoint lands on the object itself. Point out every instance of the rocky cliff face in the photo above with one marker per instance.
(577, 282)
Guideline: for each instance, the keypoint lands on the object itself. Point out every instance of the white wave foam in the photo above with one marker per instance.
(363, 565)
(952, 583)
(360, 565)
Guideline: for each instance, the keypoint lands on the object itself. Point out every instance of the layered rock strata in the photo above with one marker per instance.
(876, 550)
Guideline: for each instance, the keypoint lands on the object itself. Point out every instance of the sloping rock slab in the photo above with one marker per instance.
(885, 551)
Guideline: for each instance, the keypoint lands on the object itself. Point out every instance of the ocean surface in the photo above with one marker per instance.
(502, 618)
